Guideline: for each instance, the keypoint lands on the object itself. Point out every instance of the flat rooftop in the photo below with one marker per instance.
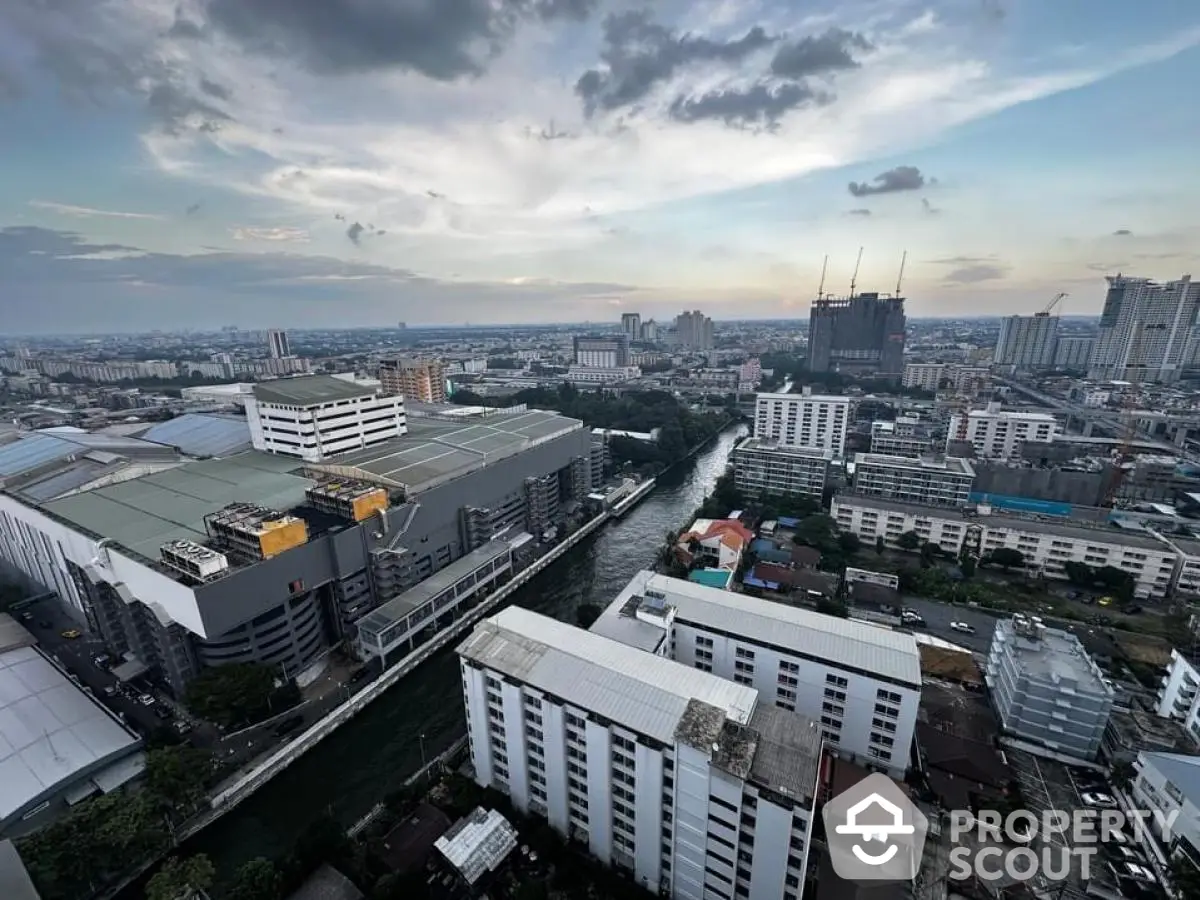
(1083, 528)
(773, 447)
(788, 753)
(51, 732)
(867, 648)
(425, 591)
(144, 513)
(435, 451)
(949, 464)
(309, 390)
(639, 691)
(1055, 656)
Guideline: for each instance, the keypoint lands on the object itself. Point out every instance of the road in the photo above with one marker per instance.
(938, 617)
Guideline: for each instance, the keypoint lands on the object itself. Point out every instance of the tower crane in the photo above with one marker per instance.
(1058, 298)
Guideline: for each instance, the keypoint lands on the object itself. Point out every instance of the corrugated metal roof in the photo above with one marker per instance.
(640, 691)
(199, 434)
(33, 451)
(842, 642)
(50, 730)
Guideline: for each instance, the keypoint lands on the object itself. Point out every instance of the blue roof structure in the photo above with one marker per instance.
(760, 545)
(44, 447)
(202, 435)
(787, 522)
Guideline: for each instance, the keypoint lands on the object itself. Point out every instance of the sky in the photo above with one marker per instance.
(317, 163)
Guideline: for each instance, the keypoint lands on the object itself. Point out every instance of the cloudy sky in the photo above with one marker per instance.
(190, 163)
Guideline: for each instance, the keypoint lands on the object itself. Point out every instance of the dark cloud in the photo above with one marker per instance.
(194, 208)
(178, 109)
(1122, 232)
(354, 232)
(63, 282)
(443, 39)
(760, 105)
(639, 54)
(901, 178)
(859, 212)
(218, 91)
(185, 28)
(977, 273)
(818, 55)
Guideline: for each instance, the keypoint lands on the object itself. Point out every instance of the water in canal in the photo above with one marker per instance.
(350, 771)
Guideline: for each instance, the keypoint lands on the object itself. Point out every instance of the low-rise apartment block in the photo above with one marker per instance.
(904, 437)
(1046, 688)
(1045, 545)
(860, 681)
(693, 784)
(765, 468)
(1179, 692)
(1000, 434)
(803, 420)
(943, 481)
(1169, 784)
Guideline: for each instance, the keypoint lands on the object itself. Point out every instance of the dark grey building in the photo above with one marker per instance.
(858, 335)
(268, 559)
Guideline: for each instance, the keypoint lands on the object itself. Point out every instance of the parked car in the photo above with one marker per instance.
(162, 712)
(183, 727)
(1135, 871)
(146, 700)
(110, 691)
(26, 617)
(963, 627)
(1123, 853)
(101, 661)
(71, 633)
(911, 617)
(1097, 799)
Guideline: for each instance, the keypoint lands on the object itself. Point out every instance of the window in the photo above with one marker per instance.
(836, 680)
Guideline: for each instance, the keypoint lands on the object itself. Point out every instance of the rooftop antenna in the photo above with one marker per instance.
(854, 277)
(821, 287)
(900, 277)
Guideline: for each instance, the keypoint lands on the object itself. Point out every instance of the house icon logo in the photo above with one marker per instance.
(874, 832)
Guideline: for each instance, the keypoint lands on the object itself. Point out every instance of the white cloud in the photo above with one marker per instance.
(86, 212)
(279, 235)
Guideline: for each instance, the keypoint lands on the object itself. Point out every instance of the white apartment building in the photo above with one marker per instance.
(1027, 342)
(602, 374)
(926, 376)
(689, 782)
(763, 468)
(899, 438)
(278, 344)
(803, 420)
(1074, 352)
(1046, 545)
(1170, 783)
(1147, 330)
(862, 682)
(1000, 434)
(319, 416)
(932, 377)
(944, 481)
(1179, 693)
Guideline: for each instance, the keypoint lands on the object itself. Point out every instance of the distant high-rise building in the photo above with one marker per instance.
(602, 351)
(1074, 352)
(631, 324)
(863, 334)
(277, 341)
(650, 331)
(422, 380)
(694, 330)
(1027, 342)
(1147, 330)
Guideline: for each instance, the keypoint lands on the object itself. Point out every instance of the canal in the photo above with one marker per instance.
(350, 771)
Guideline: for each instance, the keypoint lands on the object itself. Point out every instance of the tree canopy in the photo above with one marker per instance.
(180, 879)
(232, 695)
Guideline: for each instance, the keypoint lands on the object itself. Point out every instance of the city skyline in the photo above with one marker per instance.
(184, 165)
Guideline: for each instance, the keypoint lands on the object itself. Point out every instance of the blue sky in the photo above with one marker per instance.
(321, 162)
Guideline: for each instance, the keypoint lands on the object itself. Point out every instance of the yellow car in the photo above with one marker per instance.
(72, 633)
(1105, 601)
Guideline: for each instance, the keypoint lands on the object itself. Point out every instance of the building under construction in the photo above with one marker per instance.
(862, 334)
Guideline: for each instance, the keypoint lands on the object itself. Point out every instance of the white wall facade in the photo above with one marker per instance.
(862, 717)
(997, 434)
(947, 481)
(925, 376)
(1179, 693)
(803, 420)
(1152, 790)
(1152, 567)
(316, 432)
(665, 814)
(1027, 342)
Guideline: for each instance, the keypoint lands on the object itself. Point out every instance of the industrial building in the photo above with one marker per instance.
(803, 420)
(266, 558)
(1046, 689)
(601, 351)
(764, 468)
(58, 744)
(414, 378)
(1045, 545)
(862, 334)
(1001, 434)
(860, 681)
(1146, 330)
(697, 786)
(318, 416)
(1027, 342)
(939, 480)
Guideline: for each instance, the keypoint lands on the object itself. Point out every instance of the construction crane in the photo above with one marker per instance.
(1058, 298)
(854, 277)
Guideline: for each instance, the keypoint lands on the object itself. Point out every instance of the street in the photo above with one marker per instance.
(938, 617)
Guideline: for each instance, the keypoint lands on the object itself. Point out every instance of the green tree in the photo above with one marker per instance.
(1079, 574)
(849, 543)
(257, 879)
(819, 531)
(1122, 775)
(966, 564)
(180, 879)
(910, 540)
(833, 608)
(176, 776)
(879, 545)
(1007, 558)
(1185, 876)
(232, 695)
